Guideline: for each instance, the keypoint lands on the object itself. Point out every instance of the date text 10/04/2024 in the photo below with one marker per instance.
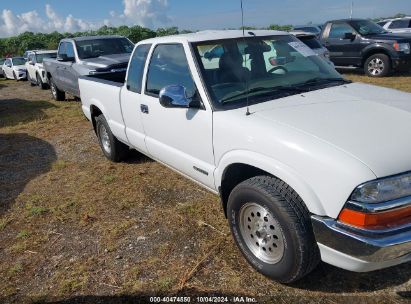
(203, 299)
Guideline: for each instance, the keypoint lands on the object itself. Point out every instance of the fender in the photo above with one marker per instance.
(379, 46)
(277, 169)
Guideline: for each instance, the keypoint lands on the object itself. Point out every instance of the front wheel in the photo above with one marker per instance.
(57, 94)
(272, 228)
(112, 148)
(377, 65)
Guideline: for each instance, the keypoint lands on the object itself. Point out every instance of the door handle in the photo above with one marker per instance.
(144, 108)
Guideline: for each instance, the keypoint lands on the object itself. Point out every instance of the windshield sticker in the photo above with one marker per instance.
(301, 48)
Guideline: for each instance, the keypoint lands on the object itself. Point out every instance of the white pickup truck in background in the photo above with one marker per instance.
(308, 165)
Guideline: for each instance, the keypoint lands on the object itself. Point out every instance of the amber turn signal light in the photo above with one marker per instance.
(376, 220)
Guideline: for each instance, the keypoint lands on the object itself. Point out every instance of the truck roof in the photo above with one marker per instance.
(346, 20)
(82, 38)
(214, 35)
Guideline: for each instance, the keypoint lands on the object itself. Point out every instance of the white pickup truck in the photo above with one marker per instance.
(308, 165)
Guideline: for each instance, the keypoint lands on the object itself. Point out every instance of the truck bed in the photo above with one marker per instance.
(104, 92)
(116, 78)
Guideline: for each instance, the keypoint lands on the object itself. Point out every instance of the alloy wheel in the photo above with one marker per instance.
(376, 66)
(105, 139)
(261, 233)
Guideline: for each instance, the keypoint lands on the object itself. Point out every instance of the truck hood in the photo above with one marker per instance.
(390, 37)
(108, 60)
(370, 123)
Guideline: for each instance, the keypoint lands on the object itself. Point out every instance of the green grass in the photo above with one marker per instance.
(60, 164)
(15, 269)
(108, 179)
(23, 234)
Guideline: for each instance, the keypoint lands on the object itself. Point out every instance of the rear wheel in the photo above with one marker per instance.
(40, 82)
(377, 65)
(272, 228)
(57, 94)
(112, 148)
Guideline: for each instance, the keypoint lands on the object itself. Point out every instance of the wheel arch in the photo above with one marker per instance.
(376, 49)
(240, 166)
(95, 112)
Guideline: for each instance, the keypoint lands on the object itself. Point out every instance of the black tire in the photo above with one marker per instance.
(377, 65)
(300, 253)
(40, 82)
(117, 150)
(56, 93)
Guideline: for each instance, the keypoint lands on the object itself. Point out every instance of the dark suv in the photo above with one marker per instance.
(361, 43)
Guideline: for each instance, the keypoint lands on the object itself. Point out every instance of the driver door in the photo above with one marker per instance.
(343, 51)
(179, 137)
(30, 67)
(8, 73)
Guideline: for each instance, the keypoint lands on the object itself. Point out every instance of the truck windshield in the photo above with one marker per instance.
(102, 47)
(260, 69)
(366, 27)
(40, 57)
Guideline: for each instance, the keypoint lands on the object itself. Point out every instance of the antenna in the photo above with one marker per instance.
(352, 7)
(245, 60)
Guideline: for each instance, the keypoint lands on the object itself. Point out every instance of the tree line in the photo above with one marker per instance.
(17, 45)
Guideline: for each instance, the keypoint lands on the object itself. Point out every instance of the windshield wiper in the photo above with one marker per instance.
(321, 80)
(266, 91)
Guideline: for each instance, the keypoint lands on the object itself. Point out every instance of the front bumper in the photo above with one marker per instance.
(402, 62)
(21, 75)
(359, 249)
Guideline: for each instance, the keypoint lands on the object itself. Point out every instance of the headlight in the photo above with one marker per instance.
(383, 190)
(402, 47)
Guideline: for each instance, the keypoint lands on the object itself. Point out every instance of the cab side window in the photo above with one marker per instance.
(338, 30)
(31, 58)
(136, 69)
(69, 50)
(169, 66)
(401, 23)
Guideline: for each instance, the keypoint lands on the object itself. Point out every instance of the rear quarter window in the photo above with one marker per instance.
(136, 69)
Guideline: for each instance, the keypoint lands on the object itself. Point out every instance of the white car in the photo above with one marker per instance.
(308, 165)
(14, 68)
(398, 25)
(35, 70)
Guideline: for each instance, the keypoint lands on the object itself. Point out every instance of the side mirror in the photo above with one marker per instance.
(31, 62)
(174, 96)
(349, 36)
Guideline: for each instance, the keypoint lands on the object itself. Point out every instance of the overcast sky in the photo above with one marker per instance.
(78, 15)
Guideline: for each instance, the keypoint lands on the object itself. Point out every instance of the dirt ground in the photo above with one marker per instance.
(75, 228)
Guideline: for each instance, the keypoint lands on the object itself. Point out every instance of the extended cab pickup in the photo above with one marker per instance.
(360, 43)
(85, 56)
(308, 165)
